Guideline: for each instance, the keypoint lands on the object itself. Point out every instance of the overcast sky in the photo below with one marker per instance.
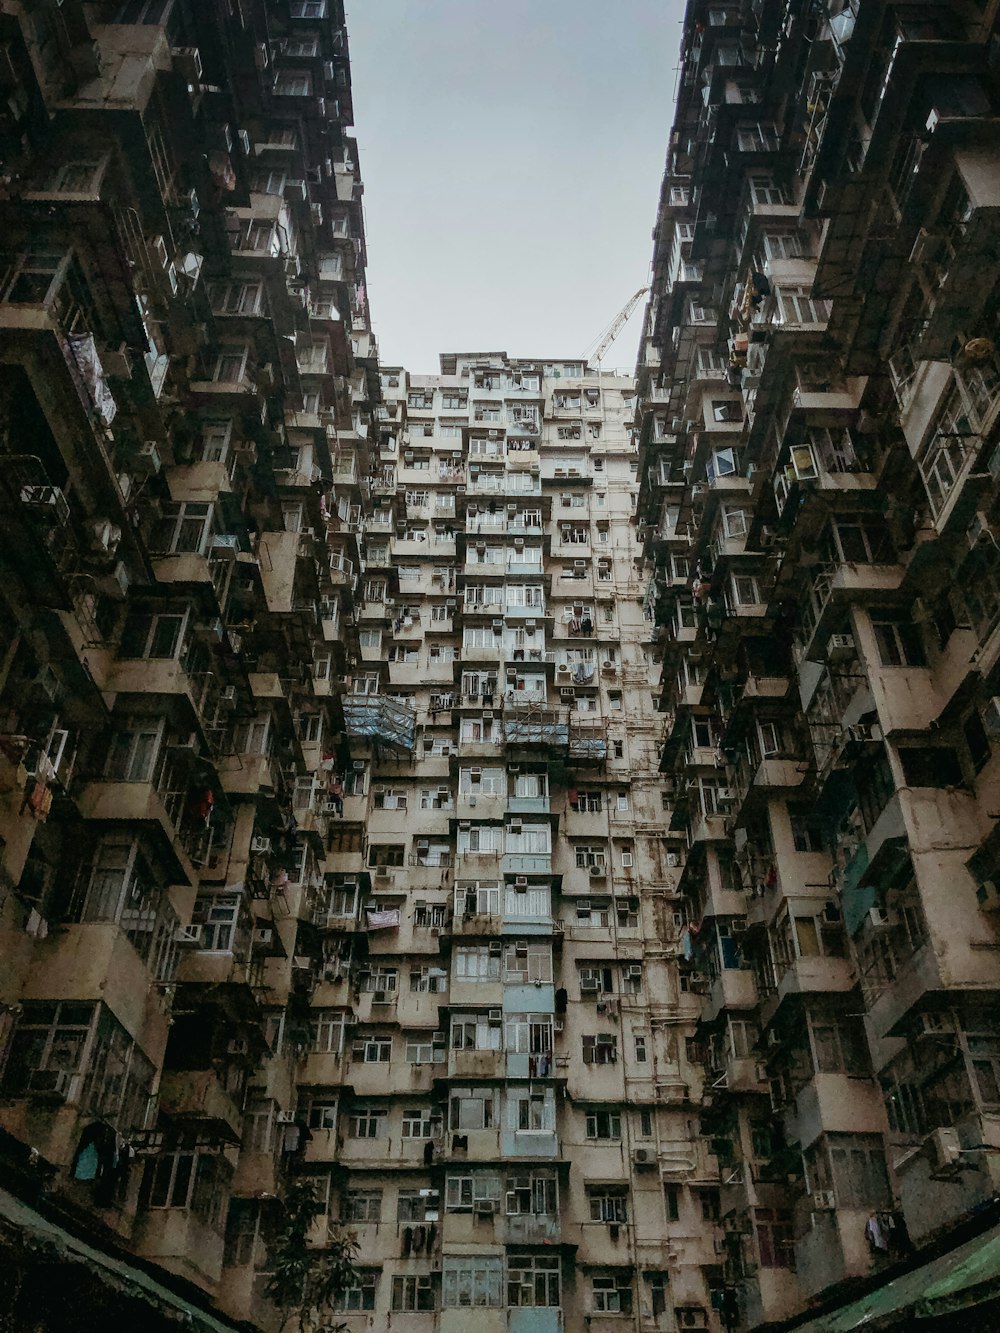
(512, 155)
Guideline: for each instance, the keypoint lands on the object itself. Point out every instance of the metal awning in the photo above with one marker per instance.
(959, 1280)
(112, 1272)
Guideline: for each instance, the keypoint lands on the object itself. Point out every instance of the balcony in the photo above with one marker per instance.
(526, 863)
(476, 1064)
(196, 1098)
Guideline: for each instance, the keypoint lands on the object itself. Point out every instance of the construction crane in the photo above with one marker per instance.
(616, 326)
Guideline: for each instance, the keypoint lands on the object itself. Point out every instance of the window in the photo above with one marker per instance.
(473, 1108)
(34, 276)
(152, 636)
(361, 1294)
(607, 1203)
(417, 1205)
(464, 1192)
(84, 1042)
(81, 177)
(188, 1179)
(134, 750)
(420, 1123)
(218, 915)
(853, 1166)
(782, 245)
(385, 855)
(775, 1239)
(753, 137)
(533, 1279)
(308, 9)
(229, 367)
(321, 1114)
(472, 1282)
(236, 298)
(611, 1295)
(476, 962)
(367, 1122)
(118, 885)
(363, 1206)
(428, 980)
(425, 1050)
(604, 1124)
(899, 641)
(797, 306)
(764, 190)
(477, 899)
(672, 1201)
(601, 1049)
(414, 1293)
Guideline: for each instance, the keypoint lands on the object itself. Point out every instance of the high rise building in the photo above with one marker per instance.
(514, 1103)
(547, 813)
(189, 391)
(818, 394)
(333, 840)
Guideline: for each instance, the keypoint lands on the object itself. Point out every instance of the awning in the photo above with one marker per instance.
(959, 1280)
(113, 1273)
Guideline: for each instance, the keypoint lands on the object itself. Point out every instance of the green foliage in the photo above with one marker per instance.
(305, 1282)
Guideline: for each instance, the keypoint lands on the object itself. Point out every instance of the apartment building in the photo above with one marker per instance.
(333, 833)
(818, 391)
(189, 392)
(500, 1089)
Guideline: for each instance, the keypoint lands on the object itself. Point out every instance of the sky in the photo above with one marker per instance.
(511, 154)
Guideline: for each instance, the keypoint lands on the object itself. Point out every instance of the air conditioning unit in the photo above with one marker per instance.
(49, 1084)
(188, 937)
(521, 884)
(187, 63)
(225, 545)
(944, 1151)
(824, 1200)
(494, 1017)
(47, 501)
(358, 765)
(598, 872)
(147, 459)
(260, 845)
(991, 717)
(589, 985)
(978, 529)
(839, 647)
(284, 1117)
(484, 1207)
(495, 948)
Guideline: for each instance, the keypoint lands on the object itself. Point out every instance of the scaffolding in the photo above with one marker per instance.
(578, 736)
(381, 720)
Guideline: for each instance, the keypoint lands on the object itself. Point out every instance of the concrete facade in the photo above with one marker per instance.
(818, 392)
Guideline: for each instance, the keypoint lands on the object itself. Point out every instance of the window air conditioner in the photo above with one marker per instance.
(49, 1084)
